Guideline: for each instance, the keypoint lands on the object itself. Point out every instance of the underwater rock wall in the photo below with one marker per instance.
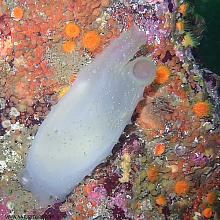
(166, 164)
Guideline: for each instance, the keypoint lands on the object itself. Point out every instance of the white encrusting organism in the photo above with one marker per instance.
(81, 130)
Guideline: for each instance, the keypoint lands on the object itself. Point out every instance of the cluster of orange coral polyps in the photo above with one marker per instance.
(91, 40)
(162, 74)
(201, 109)
(32, 41)
(72, 31)
(181, 187)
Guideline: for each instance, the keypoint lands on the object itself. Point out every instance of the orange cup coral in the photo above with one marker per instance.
(211, 198)
(18, 13)
(69, 46)
(72, 30)
(181, 187)
(91, 40)
(207, 213)
(180, 26)
(183, 9)
(201, 109)
(161, 200)
(162, 75)
(160, 149)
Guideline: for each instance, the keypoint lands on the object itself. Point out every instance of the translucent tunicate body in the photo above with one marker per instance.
(81, 130)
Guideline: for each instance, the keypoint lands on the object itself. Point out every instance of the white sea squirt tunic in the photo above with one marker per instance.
(82, 128)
